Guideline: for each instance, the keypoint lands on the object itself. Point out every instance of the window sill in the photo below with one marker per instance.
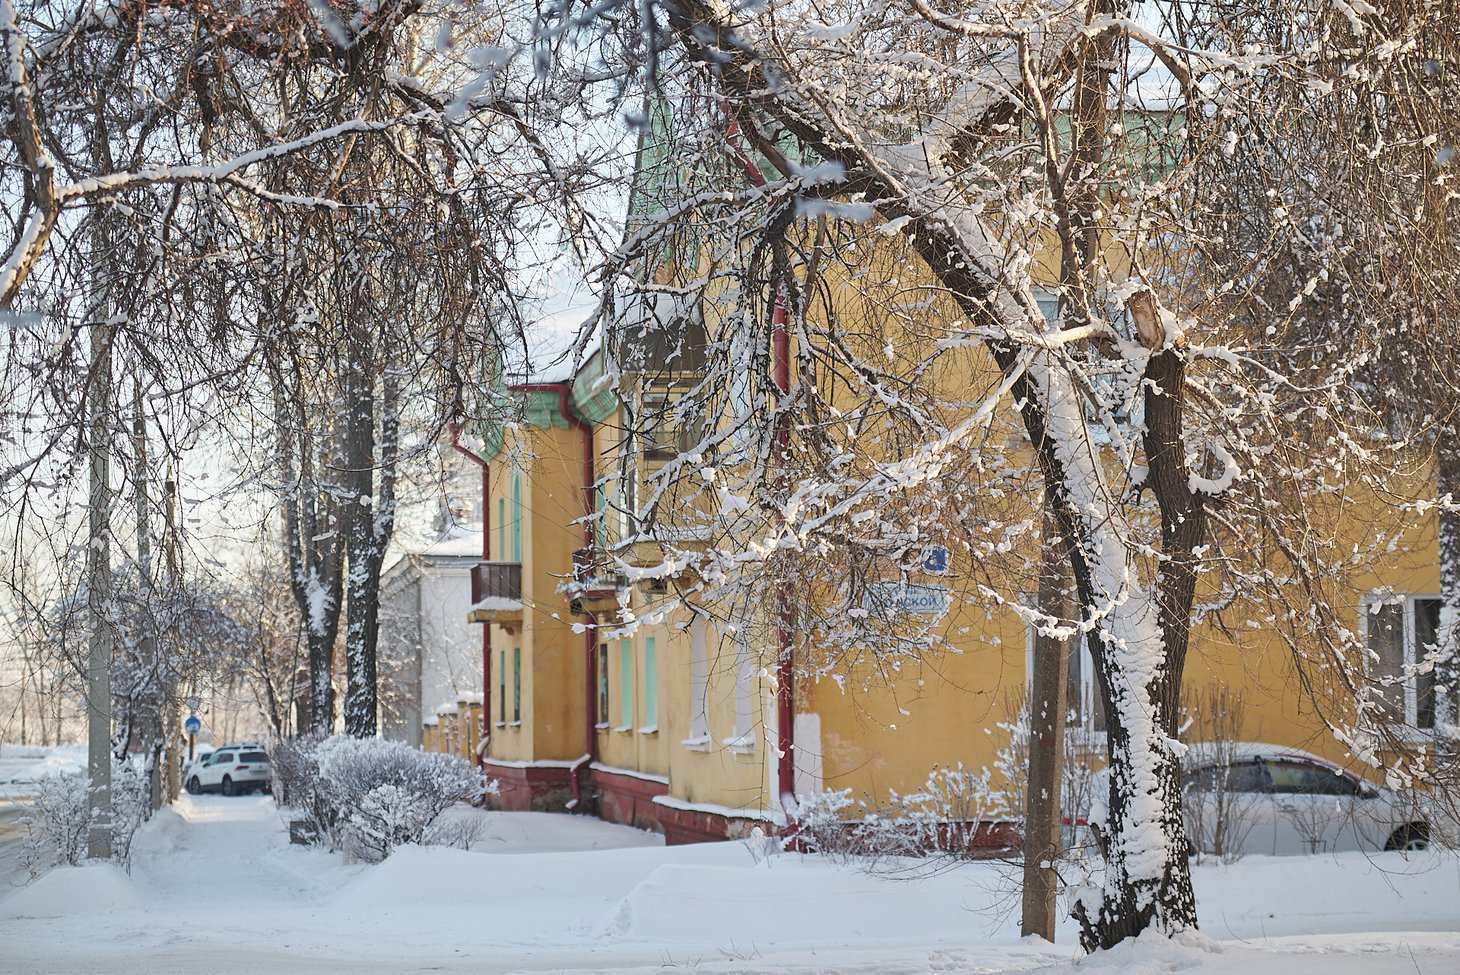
(741, 744)
(515, 724)
(652, 729)
(623, 729)
(500, 724)
(700, 743)
(601, 726)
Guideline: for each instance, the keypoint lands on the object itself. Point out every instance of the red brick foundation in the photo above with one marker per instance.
(530, 788)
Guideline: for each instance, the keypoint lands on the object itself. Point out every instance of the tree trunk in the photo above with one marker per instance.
(311, 539)
(1447, 666)
(371, 523)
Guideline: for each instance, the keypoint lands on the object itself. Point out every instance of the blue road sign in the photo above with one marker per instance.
(935, 560)
(192, 725)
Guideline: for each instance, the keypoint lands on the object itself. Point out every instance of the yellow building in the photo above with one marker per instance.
(630, 687)
(626, 676)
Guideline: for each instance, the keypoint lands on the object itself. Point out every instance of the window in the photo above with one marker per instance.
(1400, 633)
(502, 687)
(699, 682)
(501, 529)
(626, 684)
(516, 513)
(1305, 778)
(603, 685)
(743, 738)
(1084, 707)
(651, 684)
(516, 685)
(1240, 777)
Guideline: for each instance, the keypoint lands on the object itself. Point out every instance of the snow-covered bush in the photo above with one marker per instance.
(295, 769)
(368, 796)
(943, 817)
(821, 826)
(59, 820)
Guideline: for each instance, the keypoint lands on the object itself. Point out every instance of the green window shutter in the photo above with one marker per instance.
(651, 684)
(626, 683)
(502, 532)
(516, 683)
(516, 515)
(502, 686)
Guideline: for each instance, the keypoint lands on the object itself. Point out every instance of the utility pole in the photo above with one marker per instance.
(1047, 706)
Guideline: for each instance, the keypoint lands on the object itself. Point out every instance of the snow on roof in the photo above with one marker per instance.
(457, 540)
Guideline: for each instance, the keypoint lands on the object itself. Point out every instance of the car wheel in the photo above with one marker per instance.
(194, 786)
(228, 789)
(1414, 836)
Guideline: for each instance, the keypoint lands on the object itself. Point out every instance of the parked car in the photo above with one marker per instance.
(199, 757)
(231, 770)
(1250, 797)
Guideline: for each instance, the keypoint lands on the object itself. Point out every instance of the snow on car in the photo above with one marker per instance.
(232, 770)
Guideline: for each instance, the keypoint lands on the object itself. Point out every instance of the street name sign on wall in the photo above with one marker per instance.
(935, 560)
(897, 597)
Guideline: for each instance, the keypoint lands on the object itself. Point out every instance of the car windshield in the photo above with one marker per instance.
(253, 757)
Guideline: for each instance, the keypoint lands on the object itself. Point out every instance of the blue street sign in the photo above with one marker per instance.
(935, 560)
(192, 725)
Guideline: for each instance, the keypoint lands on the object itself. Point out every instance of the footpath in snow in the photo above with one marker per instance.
(215, 888)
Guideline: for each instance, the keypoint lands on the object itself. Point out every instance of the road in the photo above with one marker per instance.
(11, 836)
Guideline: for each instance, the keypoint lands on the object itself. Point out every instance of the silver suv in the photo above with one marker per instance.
(232, 770)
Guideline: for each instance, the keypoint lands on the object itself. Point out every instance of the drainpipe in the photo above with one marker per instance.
(785, 655)
(476, 596)
(590, 635)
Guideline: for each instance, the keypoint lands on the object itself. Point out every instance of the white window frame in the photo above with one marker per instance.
(1412, 658)
(699, 684)
(743, 738)
(1089, 691)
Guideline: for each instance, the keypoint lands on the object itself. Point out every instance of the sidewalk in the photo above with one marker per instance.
(216, 889)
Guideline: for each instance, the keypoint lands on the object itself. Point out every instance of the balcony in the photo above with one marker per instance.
(593, 588)
(496, 594)
(659, 334)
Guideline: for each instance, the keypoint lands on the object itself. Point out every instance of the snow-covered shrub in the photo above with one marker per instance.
(947, 812)
(59, 820)
(295, 769)
(368, 796)
(821, 826)
(943, 817)
(57, 825)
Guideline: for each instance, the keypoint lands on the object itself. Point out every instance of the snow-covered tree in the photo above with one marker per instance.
(877, 189)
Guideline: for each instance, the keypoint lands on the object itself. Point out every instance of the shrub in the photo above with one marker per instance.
(59, 821)
(367, 796)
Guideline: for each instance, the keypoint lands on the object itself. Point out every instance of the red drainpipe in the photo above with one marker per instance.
(475, 595)
(590, 635)
(785, 657)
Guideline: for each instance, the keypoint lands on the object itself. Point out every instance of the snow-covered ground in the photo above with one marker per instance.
(22, 765)
(216, 888)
